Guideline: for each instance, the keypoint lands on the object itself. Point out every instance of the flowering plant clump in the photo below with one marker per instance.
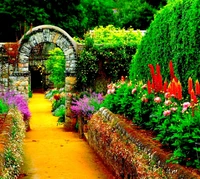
(13, 98)
(86, 105)
(160, 106)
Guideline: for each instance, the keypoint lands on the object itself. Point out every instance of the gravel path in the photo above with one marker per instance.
(51, 152)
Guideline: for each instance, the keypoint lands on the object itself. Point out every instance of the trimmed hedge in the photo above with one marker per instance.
(173, 35)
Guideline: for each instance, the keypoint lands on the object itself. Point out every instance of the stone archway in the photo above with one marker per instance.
(52, 34)
(48, 34)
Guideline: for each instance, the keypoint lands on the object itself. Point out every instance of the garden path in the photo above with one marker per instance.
(51, 152)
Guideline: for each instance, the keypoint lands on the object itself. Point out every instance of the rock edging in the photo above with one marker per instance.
(126, 153)
(11, 141)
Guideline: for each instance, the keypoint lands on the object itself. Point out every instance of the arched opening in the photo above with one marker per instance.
(39, 76)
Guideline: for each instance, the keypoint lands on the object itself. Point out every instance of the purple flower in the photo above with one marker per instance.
(13, 98)
(87, 105)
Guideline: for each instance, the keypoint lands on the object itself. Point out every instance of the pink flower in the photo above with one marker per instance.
(109, 86)
(167, 95)
(157, 99)
(112, 90)
(133, 90)
(167, 113)
(186, 105)
(184, 109)
(69, 95)
(168, 102)
(173, 109)
(108, 91)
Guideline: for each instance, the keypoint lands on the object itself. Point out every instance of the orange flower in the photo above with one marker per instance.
(197, 88)
(179, 91)
(190, 85)
(193, 96)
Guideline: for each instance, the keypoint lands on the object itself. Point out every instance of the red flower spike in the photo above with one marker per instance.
(197, 88)
(179, 91)
(173, 88)
(159, 78)
(193, 97)
(158, 69)
(165, 86)
(169, 89)
(190, 85)
(171, 69)
(151, 70)
(149, 86)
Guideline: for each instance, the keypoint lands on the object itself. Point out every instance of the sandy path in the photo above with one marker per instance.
(51, 152)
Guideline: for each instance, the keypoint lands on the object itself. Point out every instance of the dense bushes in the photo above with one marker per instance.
(106, 56)
(173, 35)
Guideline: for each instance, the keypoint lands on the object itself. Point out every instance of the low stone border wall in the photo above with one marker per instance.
(12, 134)
(126, 153)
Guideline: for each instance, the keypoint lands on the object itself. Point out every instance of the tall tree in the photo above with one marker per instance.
(136, 13)
(96, 13)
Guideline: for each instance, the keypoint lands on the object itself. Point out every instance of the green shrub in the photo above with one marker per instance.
(107, 55)
(55, 64)
(173, 35)
(3, 107)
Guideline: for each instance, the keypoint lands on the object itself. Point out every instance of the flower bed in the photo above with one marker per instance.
(129, 153)
(162, 107)
(11, 139)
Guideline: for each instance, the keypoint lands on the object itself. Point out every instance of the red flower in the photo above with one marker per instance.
(165, 86)
(190, 85)
(197, 88)
(193, 96)
(179, 91)
(56, 96)
(149, 87)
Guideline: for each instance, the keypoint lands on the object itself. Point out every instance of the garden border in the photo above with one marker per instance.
(122, 164)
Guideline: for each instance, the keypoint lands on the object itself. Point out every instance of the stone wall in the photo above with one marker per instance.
(12, 133)
(127, 153)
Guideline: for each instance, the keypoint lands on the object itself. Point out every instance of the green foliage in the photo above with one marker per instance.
(58, 103)
(107, 55)
(55, 64)
(60, 112)
(30, 93)
(3, 107)
(49, 94)
(96, 13)
(175, 125)
(173, 35)
(79, 16)
(135, 13)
